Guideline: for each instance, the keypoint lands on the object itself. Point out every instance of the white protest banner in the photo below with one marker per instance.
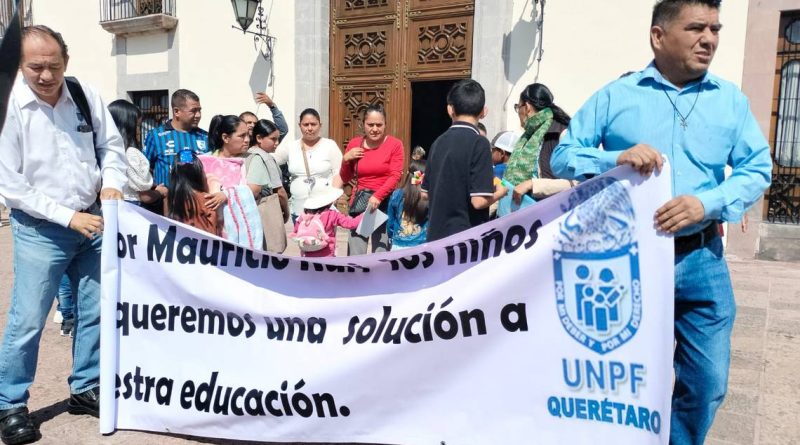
(551, 325)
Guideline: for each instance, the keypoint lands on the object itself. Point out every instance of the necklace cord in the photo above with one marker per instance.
(683, 118)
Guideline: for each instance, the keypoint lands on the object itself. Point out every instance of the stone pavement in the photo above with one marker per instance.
(761, 408)
(763, 402)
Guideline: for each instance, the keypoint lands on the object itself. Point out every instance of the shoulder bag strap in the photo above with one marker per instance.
(355, 167)
(76, 91)
(305, 158)
(249, 160)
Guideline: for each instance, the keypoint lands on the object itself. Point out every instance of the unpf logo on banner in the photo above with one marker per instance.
(596, 267)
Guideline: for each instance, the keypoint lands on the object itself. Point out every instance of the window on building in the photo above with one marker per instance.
(793, 32)
(154, 105)
(111, 10)
(783, 196)
(7, 8)
(787, 132)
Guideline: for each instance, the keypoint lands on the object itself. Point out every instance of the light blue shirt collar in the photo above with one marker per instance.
(652, 73)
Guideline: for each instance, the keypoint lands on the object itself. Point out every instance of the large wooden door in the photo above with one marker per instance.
(378, 47)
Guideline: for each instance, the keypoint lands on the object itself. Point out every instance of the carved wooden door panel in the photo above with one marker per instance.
(440, 39)
(378, 47)
(365, 53)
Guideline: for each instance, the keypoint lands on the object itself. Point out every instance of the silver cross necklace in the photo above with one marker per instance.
(681, 117)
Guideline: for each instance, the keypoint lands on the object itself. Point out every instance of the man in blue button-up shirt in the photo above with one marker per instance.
(701, 123)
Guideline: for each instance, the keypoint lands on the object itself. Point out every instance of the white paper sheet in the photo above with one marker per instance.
(370, 222)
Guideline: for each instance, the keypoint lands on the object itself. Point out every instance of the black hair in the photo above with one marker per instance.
(666, 11)
(467, 98)
(42, 30)
(179, 98)
(375, 108)
(126, 117)
(184, 179)
(540, 97)
(221, 125)
(247, 113)
(482, 127)
(263, 128)
(415, 206)
(310, 111)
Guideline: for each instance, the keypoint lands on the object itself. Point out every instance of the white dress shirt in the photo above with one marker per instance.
(48, 168)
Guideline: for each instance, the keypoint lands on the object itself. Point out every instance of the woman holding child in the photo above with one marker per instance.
(229, 139)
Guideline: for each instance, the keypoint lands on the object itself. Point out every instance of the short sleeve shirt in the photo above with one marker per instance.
(265, 170)
(257, 172)
(162, 143)
(459, 167)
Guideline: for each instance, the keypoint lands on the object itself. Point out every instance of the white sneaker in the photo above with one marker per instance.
(57, 318)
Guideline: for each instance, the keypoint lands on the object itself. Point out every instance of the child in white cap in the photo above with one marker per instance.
(315, 230)
(502, 147)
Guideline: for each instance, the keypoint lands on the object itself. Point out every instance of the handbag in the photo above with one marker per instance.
(360, 202)
(272, 217)
(361, 199)
(269, 208)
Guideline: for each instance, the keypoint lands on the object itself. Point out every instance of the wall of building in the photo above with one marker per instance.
(588, 44)
(311, 28)
(91, 48)
(203, 54)
(147, 62)
(222, 64)
(491, 58)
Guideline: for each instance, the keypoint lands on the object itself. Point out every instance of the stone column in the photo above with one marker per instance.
(490, 51)
(312, 36)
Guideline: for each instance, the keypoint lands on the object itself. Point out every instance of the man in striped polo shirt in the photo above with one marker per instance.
(165, 141)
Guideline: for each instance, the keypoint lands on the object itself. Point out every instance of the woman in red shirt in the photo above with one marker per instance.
(375, 160)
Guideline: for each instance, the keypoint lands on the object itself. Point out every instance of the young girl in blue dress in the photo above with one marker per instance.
(408, 211)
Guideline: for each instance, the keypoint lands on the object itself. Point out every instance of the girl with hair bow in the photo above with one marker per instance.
(408, 211)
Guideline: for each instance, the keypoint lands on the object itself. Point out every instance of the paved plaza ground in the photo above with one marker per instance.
(761, 408)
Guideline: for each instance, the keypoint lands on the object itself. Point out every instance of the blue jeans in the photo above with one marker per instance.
(43, 252)
(64, 296)
(704, 313)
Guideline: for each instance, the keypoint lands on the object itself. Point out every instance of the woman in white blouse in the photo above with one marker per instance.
(139, 189)
(313, 160)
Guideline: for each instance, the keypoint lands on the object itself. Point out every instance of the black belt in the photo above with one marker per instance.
(95, 206)
(688, 243)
